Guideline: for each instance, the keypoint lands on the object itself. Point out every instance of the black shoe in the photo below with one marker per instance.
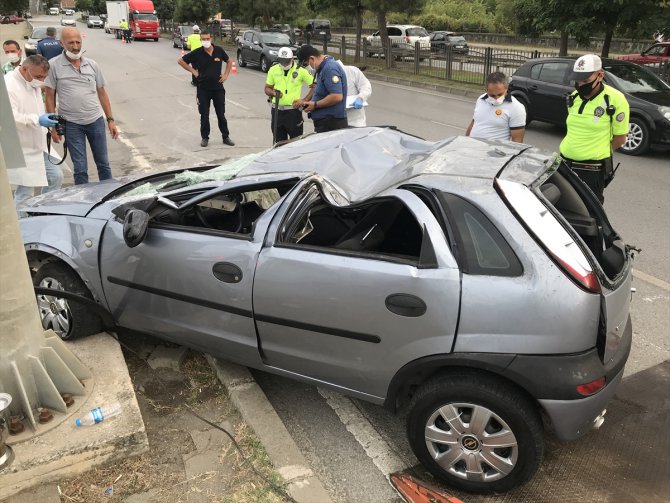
(204, 142)
(228, 141)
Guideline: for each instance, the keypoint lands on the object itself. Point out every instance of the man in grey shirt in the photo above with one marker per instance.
(83, 102)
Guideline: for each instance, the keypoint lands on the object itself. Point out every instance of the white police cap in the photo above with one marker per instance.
(285, 53)
(585, 66)
(196, 27)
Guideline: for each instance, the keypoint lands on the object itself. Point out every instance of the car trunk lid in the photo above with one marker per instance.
(567, 220)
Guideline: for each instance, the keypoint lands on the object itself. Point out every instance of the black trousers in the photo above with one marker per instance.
(289, 124)
(596, 174)
(128, 35)
(218, 99)
(329, 124)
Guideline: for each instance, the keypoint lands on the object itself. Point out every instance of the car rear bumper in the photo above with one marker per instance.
(571, 419)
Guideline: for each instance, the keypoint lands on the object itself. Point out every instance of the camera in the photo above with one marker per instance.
(60, 127)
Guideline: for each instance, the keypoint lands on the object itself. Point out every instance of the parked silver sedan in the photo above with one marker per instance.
(477, 285)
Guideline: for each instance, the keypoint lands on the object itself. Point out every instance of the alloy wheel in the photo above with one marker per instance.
(471, 442)
(635, 137)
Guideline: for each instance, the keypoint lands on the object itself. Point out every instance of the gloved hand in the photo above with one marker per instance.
(358, 104)
(46, 120)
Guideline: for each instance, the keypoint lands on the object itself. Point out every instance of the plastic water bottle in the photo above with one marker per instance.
(99, 414)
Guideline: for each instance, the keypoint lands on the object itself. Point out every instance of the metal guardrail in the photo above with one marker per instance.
(469, 65)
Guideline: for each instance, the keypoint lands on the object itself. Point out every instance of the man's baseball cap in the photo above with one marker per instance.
(305, 52)
(585, 66)
(285, 55)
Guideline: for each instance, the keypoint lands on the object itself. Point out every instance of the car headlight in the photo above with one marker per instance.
(665, 112)
(273, 53)
(31, 46)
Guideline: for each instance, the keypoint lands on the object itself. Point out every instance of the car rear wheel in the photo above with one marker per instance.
(637, 141)
(475, 433)
(240, 59)
(265, 66)
(69, 319)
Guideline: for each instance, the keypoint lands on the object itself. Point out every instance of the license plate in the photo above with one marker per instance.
(459, 47)
(322, 33)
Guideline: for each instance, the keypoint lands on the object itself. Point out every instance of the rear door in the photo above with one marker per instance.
(352, 319)
(547, 88)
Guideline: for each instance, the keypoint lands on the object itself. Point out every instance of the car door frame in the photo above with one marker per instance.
(295, 359)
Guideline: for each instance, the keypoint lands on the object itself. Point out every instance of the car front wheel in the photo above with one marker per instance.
(265, 66)
(637, 141)
(68, 319)
(240, 59)
(476, 433)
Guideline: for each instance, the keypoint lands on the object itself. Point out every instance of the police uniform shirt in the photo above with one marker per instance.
(590, 129)
(49, 47)
(495, 122)
(209, 67)
(289, 82)
(330, 79)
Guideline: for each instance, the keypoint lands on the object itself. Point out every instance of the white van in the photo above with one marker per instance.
(53, 11)
(403, 37)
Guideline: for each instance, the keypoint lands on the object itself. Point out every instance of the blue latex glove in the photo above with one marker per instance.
(358, 104)
(46, 120)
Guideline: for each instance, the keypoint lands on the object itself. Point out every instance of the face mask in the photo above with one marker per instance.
(207, 44)
(495, 101)
(35, 84)
(585, 89)
(311, 70)
(12, 57)
(287, 66)
(72, 55)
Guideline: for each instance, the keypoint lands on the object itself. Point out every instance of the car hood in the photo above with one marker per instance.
(661, 98)
(77, 200)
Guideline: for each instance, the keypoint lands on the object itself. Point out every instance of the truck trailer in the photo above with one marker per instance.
(141, 17)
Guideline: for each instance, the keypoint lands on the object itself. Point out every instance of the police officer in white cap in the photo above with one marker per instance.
(597, 125)
(284, 81)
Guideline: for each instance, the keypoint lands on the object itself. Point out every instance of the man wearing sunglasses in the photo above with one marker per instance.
(327, 105)
(498, 116)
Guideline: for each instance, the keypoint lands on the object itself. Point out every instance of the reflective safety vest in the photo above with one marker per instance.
(193, 41)
(289, 82)
(123, 25)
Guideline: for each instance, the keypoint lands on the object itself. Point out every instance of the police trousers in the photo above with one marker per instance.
(289, 123)
(329, 124)
(597, 174)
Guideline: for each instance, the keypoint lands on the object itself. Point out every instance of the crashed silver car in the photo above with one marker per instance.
(477, 285)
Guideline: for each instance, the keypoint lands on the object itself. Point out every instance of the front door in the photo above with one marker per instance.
(349, 315)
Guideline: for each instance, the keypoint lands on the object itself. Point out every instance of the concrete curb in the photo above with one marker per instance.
(258, 413)
(422, 85)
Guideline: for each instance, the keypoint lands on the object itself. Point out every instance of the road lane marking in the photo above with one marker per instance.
(365, 434)
(460, 127)
(135, 153)
(228, 100)
(664, 285)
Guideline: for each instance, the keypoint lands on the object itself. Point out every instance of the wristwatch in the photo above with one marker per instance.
(110, 118)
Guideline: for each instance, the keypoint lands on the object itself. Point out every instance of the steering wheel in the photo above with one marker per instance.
(201, 217)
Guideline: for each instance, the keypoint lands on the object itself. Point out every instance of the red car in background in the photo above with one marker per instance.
(12, 19)
(657, 53)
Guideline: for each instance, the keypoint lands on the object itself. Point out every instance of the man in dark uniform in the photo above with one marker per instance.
(327, 106)
(205, 63)
(49, 47)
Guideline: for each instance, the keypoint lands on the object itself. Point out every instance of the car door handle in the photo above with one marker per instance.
(404, 304)
(227, 272)
(533, 87)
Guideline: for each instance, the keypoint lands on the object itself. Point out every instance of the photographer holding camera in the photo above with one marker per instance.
(24, 87)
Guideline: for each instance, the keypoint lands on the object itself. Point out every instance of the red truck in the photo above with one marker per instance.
(139, 14)
(657, 53)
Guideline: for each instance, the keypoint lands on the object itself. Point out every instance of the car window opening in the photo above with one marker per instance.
(383, 227)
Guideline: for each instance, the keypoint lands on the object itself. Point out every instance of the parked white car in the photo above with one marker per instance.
(403, 37)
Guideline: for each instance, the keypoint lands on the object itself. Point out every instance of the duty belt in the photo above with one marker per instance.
(284, 107)
(585, 165)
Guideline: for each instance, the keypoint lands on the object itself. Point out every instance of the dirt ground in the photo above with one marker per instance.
(162, 474)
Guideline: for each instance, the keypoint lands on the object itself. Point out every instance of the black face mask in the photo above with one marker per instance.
(585, 89)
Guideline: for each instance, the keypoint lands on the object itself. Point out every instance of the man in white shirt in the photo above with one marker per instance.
(498, 116)
(359, 90)
(24, 87)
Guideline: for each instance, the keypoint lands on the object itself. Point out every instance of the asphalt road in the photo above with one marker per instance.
(351, 445)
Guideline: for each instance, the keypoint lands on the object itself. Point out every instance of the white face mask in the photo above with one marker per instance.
(35, 84)
(12, 58)
(311, 70)
(72, 55)
(207, 44)
(495, 101)
(287, 67)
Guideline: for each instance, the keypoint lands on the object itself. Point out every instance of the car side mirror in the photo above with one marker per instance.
(26, 37)
(135, 227)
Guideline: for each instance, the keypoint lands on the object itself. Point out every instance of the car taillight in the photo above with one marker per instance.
(591, 387)
(558, 243)
(407, 38)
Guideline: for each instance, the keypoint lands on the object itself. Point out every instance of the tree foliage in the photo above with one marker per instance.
(198, 11)
(13, 6)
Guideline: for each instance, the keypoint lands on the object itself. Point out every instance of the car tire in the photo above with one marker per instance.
(265, 66)
(240, 59)
(472, 463)
(637, 141)
(69, 319)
